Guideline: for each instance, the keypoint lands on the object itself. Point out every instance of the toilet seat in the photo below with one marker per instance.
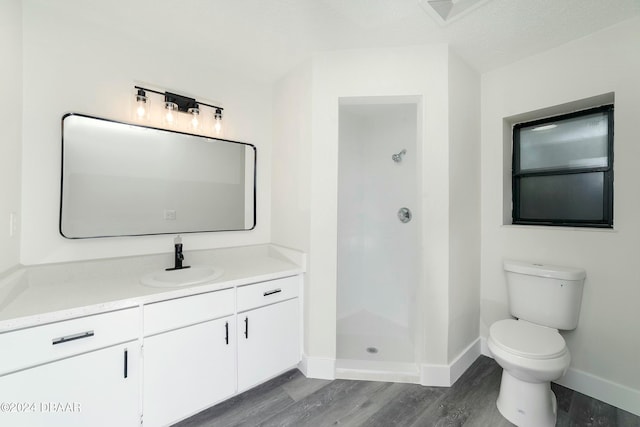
(528, 340)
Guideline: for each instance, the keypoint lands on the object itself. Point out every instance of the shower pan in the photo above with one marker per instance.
(378, 240)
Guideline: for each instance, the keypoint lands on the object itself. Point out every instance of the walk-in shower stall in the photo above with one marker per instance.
(378, 239)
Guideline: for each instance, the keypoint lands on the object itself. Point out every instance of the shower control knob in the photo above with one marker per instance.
(404, 215)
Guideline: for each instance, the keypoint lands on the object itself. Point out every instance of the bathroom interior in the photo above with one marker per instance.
(382, 178)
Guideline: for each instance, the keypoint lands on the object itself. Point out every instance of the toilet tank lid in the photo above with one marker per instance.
(544, 270)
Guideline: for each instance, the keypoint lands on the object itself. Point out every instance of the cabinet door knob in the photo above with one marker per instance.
(226, 333)
(246, 327)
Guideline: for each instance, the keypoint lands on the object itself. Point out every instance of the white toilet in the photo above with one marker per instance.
(543, 298)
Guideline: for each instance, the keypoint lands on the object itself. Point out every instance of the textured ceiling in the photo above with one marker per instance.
(269, 37)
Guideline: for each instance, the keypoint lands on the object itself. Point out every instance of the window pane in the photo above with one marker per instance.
(571, 143)
(563, 197)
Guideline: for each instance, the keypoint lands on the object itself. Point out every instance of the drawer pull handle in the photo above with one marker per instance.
(275, 291)
(73, 337)
(246, 327)
(226, 332)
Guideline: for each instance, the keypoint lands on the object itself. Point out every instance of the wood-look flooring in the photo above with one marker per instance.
(293, 400)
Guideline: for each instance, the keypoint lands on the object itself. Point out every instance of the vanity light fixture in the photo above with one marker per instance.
(175, 104)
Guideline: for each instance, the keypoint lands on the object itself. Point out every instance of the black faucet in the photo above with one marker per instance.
(178, 256)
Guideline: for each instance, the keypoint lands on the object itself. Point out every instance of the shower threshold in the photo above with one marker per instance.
(373, 370)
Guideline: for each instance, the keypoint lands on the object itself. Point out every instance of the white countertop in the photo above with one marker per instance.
(41, 294)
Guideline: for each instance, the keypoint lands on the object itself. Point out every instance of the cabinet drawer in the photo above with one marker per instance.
(41, 344)
(166, 315)
(264, 293)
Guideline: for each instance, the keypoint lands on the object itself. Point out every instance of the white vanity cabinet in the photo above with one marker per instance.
(78, 372)
(268, 330)
(167, 357)
(188, 356)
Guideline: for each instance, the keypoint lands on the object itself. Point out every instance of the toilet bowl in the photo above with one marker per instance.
(530, 350)
(531, 356)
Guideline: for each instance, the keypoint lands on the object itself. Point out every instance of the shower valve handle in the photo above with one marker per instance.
(404, 215)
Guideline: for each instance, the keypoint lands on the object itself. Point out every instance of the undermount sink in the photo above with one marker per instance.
(183, 277)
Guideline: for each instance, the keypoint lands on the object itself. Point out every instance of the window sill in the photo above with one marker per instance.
(559, 227)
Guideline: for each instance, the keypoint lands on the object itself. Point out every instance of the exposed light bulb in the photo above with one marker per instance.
(142, 106)
(217, 118)
(170, 116)
(195, 114)
(141, 111)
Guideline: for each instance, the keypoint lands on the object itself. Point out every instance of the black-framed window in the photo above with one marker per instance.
(562, 172)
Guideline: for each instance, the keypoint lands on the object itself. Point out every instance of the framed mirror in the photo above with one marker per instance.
(120, 179)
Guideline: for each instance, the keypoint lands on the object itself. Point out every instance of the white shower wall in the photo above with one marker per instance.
(378, 256)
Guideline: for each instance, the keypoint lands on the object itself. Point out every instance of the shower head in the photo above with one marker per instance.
(398, 157)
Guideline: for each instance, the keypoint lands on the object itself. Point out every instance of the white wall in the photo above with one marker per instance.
(606, 343)
(74, 62)
(464, 205)
(291, 168)
(351, 213)
(291, 158)
(11, 129)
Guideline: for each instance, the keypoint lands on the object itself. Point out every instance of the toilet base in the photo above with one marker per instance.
(527, 404)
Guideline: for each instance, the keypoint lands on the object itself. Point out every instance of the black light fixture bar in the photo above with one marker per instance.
(183, 102)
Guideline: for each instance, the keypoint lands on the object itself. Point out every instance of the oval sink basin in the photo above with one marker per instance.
(184, 277)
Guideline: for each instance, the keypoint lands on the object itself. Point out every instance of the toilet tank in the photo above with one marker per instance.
(544, 294)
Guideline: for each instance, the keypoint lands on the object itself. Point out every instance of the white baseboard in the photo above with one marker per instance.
(323, 368)
(447, 375)
(599, 388)
(435, 375)
(464, 360)
(615, 394)
(484, 348)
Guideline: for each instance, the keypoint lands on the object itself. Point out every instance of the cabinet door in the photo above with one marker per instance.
(100, 388)
(268, 342)
(187, 370)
